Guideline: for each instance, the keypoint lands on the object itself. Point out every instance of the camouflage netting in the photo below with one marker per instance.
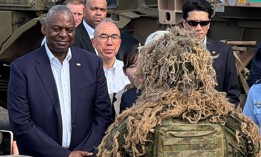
(179, 81)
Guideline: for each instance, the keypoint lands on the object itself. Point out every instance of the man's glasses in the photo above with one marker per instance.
(195, 23)
(105, 37)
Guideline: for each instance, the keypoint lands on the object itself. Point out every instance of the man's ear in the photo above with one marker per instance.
(92, 40)
(43, 29)
(84, 11)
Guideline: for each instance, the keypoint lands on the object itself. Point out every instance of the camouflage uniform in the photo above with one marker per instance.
(179, 113)
(179, 138)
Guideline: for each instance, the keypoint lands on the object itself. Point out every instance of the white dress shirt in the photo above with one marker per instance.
(89, 29)
(90, 32)
(61, 73)
(116, 79)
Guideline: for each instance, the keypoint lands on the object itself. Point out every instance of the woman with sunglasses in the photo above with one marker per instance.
(197, 17)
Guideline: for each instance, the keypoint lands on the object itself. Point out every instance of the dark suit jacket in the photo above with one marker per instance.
(129, 98)
(34, 108)
(225, 67)
(255, 71)
(82, 39)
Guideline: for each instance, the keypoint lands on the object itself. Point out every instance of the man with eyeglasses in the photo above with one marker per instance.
(197, 17)
(107, 42)
(95, 11)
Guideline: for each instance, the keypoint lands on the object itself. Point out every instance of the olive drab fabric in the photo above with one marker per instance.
(174, 138)
(178, 138)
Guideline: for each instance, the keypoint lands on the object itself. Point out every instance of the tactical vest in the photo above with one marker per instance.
(179, 138)
(176, 138)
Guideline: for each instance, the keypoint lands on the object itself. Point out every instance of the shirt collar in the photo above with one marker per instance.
(51, 56)
(113, 68)
(205, 41)
(89, 29)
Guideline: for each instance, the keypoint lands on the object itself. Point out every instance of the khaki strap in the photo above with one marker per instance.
(245, 71)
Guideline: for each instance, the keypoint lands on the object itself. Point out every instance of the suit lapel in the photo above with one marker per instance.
(76, 73)
(211, 47)
(86, 38)
(45, 72)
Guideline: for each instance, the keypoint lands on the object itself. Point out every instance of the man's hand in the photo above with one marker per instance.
(15, 148)
(80, 154)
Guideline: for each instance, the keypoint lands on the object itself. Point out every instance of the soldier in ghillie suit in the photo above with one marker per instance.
(179, 112)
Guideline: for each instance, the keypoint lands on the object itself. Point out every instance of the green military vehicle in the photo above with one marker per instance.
(237, 22)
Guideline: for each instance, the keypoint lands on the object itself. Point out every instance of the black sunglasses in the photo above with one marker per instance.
(195, 23)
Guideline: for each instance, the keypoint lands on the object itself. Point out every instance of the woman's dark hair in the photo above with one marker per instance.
(130, 56)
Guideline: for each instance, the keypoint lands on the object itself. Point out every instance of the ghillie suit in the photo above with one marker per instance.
(179, 101)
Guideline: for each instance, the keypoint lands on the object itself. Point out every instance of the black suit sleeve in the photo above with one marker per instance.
(125, 102)
(231, 84)
(226, 72)
(255, 71)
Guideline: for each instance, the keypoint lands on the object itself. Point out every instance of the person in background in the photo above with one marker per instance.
(77, 8)
(106, 41)
(197, 17)
(95, 11)
(58, 100)
(129, 94)
(255, 70)
(130, 60)
(252, 107)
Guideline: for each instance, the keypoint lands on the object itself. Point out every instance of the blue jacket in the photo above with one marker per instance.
(34, 109)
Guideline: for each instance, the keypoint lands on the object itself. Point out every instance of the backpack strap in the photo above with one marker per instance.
(236, 140)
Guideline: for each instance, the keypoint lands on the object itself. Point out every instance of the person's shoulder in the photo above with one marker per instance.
(82, 52)
(79, 27)
(218, 43)
(120, 130)
(131, 91)
(86, 57)
(256, 87)
(28, 58)
(118, 64)
(80, 31)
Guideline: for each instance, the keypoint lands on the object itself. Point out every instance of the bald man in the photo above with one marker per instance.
(95, 11)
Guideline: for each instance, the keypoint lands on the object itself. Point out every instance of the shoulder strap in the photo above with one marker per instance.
(245, 71)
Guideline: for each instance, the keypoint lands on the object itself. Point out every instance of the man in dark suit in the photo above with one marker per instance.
(57, 97)
(95, 11)
(196, 17)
